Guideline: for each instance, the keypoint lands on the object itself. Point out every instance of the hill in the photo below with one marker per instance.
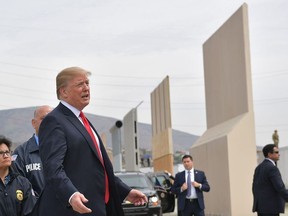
(16, 125)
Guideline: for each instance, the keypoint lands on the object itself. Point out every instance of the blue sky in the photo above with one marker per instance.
(130, 46)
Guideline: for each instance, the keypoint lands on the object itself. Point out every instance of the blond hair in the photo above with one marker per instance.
(66, 75)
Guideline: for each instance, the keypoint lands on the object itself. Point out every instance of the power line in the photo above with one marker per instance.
(183, 76)
(26, 66)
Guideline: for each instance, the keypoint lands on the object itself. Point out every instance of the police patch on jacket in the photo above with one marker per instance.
(32, 167)
(19, 195)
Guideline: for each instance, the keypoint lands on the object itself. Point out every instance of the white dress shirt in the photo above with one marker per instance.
(193, 190)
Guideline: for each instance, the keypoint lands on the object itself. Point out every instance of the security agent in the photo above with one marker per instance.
(16, 194)
(189, 186)
(26, 156)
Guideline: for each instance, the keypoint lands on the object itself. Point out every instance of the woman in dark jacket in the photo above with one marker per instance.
(16, 194)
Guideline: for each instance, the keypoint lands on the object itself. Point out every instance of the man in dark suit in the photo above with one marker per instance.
(189, 186)
(78, 174)
(268, 188)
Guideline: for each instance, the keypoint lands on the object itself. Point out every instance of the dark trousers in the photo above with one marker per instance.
(192, 208)
(261, 214)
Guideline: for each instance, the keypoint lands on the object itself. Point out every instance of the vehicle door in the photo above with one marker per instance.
(163, 180)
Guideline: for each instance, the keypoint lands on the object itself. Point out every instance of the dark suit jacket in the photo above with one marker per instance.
(70, 164)
(199, 176)
(268, 189)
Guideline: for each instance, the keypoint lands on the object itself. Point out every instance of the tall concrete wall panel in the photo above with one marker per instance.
(162, 144)
(131, 144)
(116, 148)
(227, 70)
(226, 151)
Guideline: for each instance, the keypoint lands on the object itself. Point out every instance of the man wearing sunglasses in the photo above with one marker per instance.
(268, 188)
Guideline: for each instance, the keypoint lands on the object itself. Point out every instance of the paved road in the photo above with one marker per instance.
(172, 213)
(175, 212)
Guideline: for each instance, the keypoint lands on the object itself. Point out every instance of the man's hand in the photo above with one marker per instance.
(77, 201)
(196, 184)
(137, 197)
(184, 187)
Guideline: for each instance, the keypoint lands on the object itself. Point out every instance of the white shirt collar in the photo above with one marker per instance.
(191, 171)
(73, 109)
(271, 161)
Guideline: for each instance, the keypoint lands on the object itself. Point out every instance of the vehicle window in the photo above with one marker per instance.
(135, 181)
(163, 181)
(154, 180)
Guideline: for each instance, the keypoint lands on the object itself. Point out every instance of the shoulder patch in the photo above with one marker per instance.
(14, 157)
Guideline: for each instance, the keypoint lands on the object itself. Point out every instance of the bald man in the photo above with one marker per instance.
(26, 156)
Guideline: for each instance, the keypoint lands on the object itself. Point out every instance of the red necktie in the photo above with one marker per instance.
(88, 128)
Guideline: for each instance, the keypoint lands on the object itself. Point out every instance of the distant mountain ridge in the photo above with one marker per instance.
(16, 125)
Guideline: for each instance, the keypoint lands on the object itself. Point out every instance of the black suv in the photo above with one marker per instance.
(140, 181)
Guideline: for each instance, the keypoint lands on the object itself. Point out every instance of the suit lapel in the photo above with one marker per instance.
(80, 127)
(183, 176)
(196, 176)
